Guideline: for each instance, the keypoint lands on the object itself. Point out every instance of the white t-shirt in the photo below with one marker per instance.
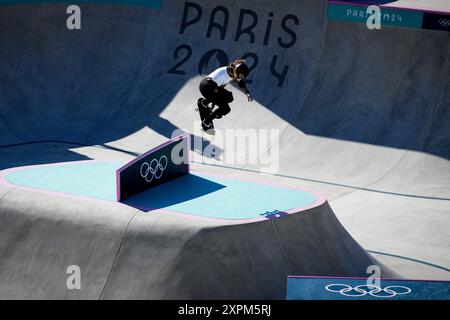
(220, 76)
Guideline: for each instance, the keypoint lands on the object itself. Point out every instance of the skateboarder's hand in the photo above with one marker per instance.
(249, 97)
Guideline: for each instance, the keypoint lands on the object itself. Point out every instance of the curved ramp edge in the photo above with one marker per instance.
(163, 256)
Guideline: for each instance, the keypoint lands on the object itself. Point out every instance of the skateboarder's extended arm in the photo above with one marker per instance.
(243, 86)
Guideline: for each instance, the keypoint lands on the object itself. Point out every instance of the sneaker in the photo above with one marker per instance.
(206, 126)
(209, 129)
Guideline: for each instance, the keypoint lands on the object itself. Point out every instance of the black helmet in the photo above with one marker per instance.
(243, 69)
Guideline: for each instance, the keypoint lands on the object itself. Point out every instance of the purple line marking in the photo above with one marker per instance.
(387, 6)
(362, 278)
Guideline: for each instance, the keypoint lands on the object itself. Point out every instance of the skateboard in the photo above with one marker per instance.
(204, 112)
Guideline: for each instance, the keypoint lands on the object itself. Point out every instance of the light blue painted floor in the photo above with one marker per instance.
(194, 194)
(90, 179)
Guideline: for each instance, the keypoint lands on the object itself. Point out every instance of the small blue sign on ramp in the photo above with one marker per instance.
(335, 288)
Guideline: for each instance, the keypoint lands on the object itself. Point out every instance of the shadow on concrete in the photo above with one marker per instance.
(370, 1)
(177, 191)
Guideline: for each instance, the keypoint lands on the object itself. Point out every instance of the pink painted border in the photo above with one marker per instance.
(390, 7)
(185, 136)
(320, 199)
(362, 278)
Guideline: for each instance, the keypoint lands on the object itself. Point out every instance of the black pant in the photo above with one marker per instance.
(217, 95)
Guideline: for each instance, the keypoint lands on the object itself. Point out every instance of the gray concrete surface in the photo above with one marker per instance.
(363, 117)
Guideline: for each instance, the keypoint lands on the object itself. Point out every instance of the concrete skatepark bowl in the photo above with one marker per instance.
(363, 147)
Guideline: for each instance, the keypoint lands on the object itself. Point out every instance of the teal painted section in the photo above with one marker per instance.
(193, 194)
(358, 13)
(222, 198)
(90, 179)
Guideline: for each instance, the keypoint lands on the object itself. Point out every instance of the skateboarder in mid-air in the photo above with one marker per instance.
(213, 90)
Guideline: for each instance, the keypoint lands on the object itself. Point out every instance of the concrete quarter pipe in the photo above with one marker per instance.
(363, 117)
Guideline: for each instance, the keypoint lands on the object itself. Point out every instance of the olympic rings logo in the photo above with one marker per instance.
(364, 289)
(155, 169)
(444, 23)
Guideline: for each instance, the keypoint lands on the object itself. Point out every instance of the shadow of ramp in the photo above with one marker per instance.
(45, 152)
(177, 191)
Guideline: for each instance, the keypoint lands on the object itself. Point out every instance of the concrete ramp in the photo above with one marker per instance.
(360, 116)
(123, 253)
